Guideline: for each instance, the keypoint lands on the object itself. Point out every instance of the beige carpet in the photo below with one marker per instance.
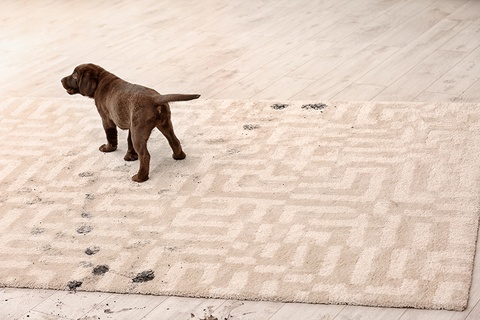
(358, 203)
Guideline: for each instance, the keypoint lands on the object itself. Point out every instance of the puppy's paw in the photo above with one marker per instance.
(180, 156)
(107, 148)
(136, 178)
(130, 157)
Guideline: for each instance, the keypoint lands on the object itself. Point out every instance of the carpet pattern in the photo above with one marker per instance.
(346, 203)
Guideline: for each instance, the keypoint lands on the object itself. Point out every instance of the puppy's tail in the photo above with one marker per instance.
(176, 97)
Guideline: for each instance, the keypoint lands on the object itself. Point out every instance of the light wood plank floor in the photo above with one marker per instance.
(411, 50)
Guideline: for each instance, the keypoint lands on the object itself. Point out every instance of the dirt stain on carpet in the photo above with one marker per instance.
(279, 106)
(250, 126)
(84, 229)
(74, 284)
(92, 250)
(100, 270)
(314, 106)
(144, 276)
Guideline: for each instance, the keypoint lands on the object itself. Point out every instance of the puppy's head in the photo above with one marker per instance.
(83, 80)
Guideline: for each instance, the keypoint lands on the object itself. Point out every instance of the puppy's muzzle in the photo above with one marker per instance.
(69, 89)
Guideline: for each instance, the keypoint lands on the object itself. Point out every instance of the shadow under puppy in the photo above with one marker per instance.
(127, 106)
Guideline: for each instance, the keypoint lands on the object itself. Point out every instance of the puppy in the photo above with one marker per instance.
(127, 106)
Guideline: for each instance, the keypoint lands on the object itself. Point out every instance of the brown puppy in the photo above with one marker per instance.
(127, 106)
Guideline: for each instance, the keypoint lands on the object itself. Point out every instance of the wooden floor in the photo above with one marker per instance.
(411, 50)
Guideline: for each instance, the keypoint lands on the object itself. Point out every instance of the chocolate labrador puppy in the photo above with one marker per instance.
(127, 106)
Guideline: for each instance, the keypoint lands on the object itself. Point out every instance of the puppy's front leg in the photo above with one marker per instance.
(111, 133)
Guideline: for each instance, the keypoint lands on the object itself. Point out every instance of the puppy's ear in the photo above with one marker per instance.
(87, 83)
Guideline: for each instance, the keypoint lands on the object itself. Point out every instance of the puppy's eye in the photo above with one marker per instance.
(75, 75)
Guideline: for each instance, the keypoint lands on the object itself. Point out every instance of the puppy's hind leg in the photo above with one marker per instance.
(111, 133)
(131, 154)
(139, 138)
(166, 128)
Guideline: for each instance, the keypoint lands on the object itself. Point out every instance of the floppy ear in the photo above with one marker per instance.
(87, 83)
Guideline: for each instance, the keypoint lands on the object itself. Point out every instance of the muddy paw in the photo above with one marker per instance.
(137, 178)
(107, 148)
(130, 157)
(181, 156)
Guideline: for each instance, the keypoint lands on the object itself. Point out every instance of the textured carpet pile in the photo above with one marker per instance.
(346, 203)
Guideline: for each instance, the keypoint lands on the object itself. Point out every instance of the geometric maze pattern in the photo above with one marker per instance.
(356, 203)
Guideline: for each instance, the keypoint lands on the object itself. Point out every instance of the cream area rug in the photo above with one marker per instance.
(345, 203)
